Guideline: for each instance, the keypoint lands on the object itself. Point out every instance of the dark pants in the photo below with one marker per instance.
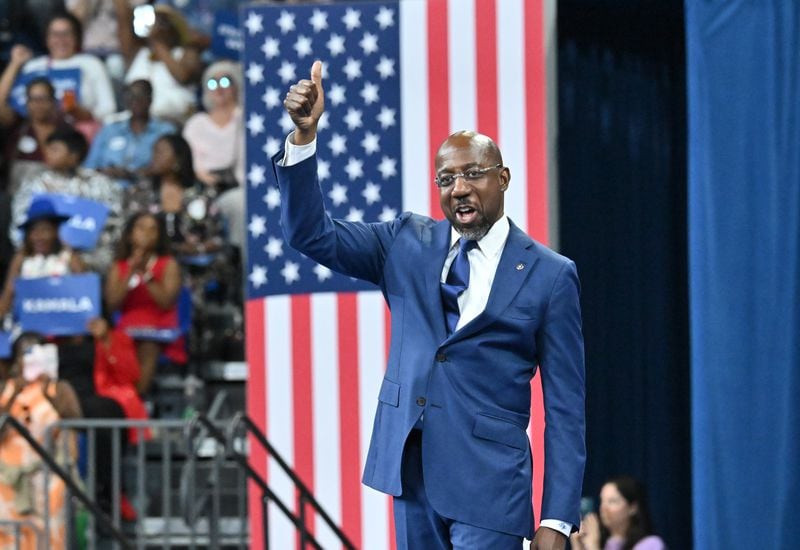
(419, 527)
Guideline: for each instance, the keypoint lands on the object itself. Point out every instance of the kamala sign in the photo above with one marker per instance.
(57, 306)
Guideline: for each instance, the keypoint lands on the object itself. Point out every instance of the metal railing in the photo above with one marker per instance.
(51, 466)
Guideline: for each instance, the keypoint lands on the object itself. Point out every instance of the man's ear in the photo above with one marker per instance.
(505, 178)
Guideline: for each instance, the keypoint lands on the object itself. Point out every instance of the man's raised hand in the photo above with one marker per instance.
(305, 103)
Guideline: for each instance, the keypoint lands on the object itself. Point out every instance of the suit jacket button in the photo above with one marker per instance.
(441, 357)
(421, 401)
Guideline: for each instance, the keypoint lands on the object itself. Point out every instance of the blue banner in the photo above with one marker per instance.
(63, 80)
(227, 40)
(86, 218)
(57, 306)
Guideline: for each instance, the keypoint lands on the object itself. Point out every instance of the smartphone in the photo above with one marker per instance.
(144, 17)
(587, 506)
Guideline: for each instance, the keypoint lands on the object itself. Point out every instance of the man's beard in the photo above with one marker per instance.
(473, 233)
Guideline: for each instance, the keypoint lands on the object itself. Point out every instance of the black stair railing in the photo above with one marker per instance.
(75, 490)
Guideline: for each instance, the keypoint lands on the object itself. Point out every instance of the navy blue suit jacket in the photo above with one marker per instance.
(473, 386)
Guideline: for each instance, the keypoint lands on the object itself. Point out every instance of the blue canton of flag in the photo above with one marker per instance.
(358, 152)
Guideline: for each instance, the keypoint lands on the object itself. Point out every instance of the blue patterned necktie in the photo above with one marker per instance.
(457, 282)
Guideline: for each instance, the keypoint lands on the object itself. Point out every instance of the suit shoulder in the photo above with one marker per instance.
(548, 254)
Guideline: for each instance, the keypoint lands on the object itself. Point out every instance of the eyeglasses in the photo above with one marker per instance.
(222, 82)
(473, 174)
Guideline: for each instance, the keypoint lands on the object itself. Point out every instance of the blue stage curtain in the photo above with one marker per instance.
(743, 75)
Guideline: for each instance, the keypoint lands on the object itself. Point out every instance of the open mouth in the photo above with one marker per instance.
(465, 214)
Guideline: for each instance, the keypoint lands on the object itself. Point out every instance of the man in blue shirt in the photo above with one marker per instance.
(123, 148)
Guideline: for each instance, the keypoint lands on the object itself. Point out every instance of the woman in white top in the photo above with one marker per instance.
(95, 98)
(166, 57)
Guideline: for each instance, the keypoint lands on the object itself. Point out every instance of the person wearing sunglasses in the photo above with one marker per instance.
(478, 307)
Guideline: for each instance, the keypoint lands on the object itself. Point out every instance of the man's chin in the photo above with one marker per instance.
(472, 232)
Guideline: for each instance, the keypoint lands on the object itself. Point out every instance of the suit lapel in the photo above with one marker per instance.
(516, 264)
(436, 249)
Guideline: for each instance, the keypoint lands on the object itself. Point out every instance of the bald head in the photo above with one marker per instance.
(481, 146)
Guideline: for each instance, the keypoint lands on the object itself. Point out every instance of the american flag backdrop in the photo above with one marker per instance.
(399, 77)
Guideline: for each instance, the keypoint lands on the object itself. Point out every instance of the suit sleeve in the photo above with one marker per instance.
(561, 363)
(353, 248)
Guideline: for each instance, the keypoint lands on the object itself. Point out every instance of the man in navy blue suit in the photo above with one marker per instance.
(476, 306)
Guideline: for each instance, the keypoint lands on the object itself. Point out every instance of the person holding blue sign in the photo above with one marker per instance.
(42, 253)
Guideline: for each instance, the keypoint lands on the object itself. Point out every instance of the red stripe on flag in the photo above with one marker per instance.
(349, 413)
(256, 395)
(438, 89)
(536, 151)
(303, 406)
(486, 66)
(387, 341)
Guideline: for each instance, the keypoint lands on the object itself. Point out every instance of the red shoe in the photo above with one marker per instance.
(126, 510)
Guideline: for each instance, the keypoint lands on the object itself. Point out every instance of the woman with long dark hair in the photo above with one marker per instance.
(624, 522)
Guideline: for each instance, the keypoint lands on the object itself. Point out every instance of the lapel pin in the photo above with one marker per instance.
(520, 266)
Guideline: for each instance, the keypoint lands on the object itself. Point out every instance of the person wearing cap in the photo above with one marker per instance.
(167, 56)
(42, 253)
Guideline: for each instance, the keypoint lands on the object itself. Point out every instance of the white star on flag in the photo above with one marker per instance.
(370, 93)
(338, 144)
(369, 43)
(338, 194)
(385, 67)
(323, 123)
(286, 22)
(352, 68)
(371, 143)
(354, 168)
(256, 175)
(323, 169)
(385, 18)
(272, 198)
(274, 248)
(319, 20)
(387, 214)
(287, 72)
(335, 44)
(336, 94)
(257, 226)
(322, 272)
(271, 146)
(271, 47)
(371, 193)
(255, 124)
(254, 23)
(271, 97)
(355, 215)
(286, 123)
(290, 272)
(258, 276)
(303, 46)
(352, 19)
(353, 118)
(388, 167)
(255, 73)
(386, 117)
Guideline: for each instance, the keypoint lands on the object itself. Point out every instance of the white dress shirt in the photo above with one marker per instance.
(483, 262)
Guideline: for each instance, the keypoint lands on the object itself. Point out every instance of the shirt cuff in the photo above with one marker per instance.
(557, 525)
(295, 154)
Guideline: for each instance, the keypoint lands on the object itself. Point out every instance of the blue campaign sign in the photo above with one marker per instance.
(61, 79)
(227, 40)
(57, 306)
(87, 218)
(5, 344)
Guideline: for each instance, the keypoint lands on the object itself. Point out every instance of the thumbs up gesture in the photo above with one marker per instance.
(305, 103)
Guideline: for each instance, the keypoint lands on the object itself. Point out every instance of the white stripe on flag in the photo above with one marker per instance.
(279, 413)
(414, 104)
(511, 105)
(462, 66)
(325, 398)
(372, 358)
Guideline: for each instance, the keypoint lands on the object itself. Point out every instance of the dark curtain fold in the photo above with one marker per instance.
(622, 215)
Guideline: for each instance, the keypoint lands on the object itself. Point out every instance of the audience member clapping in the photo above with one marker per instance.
(64, 152)
(123, 148)
(143, 286)
(163, 53)
(624, 522)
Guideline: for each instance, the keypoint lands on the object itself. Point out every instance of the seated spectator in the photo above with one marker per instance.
(166, 56)
(143, 286)
(23, 152)
(123, 148)
(37, 400)
(624, 522)
(42, 253)
(64, 152)
(94, 100)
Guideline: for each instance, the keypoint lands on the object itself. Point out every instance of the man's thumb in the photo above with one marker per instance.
(316, 73)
